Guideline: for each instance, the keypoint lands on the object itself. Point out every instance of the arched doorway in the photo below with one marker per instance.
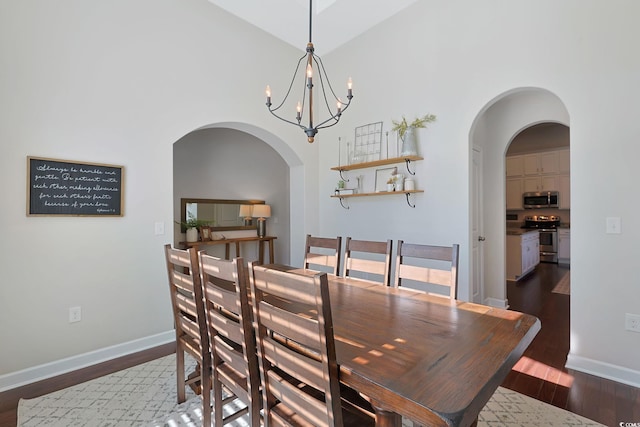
(238, 161)
(491, 133)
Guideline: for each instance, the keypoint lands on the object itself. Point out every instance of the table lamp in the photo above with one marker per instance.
(261, 212)
(246, 211)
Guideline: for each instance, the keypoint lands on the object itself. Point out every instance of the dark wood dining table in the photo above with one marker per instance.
(433, 360)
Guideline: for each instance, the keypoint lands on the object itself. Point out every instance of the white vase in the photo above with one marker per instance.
(192, 234)
(409, 146)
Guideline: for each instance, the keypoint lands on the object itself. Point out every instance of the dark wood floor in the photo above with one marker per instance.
(539, 374)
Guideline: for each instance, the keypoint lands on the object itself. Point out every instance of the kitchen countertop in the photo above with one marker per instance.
(517, 231)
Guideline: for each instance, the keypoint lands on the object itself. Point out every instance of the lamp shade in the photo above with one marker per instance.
(246, 211)
(261, 211)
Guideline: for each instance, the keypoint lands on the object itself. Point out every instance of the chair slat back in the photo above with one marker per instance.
(355, 263)
(444, 272)
(231, 334)
(296, 345)
(323, 254)
(185, 290)
(186, 296)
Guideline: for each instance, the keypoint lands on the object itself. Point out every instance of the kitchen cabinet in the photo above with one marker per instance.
(541, 163)
(540, 183)
(514, 166)
(563, 161)
(523, 254)
(564, 187)
(564, 245)
(514, 193)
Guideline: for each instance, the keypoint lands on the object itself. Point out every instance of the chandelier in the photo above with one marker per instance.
(304, 107)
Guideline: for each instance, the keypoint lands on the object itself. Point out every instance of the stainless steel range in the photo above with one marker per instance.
(547, 225)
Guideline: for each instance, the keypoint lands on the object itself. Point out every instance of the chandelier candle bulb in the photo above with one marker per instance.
(268, 92)
(349, 86)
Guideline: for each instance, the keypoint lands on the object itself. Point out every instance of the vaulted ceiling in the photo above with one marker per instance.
(334, 21)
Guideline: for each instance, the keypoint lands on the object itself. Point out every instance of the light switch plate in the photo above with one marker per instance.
(159, 228)
(613, 225)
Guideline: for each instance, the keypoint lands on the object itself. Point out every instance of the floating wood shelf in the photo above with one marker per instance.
(375, 163)
(379, 193)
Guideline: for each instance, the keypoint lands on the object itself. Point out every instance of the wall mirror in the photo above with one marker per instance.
(220, 214)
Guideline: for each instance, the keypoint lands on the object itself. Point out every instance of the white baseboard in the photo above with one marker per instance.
(495, 302)
(604, 370)
(62, 366)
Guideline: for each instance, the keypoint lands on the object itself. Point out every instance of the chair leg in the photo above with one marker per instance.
(206, 400)
(180, 375)
(217, 401)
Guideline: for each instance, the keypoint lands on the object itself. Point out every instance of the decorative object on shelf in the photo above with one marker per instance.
(246, 212)
(368, 142)
(409, 184)
(360, 179)
(191, 226)
(398, 182)
(384, 178)
(262, 212)
(391, 185)
(312, 61)
(340, 184)
(192, 234)
(205, 233)
(407, 134)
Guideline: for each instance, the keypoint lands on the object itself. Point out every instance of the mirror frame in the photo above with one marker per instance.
(183, 211)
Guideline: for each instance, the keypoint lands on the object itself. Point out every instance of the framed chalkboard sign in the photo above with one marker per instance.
(70, 188)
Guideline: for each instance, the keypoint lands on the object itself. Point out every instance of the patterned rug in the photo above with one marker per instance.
(145, 396)
(564, 284)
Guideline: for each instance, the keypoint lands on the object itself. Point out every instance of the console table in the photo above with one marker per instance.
(227, 242)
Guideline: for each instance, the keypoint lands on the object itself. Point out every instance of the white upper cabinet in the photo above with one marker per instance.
(515, 166)
(563, 161)
(514, 193)
(541, 163)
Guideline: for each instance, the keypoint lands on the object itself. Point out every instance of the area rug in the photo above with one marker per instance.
(564, 284)
(145, 396)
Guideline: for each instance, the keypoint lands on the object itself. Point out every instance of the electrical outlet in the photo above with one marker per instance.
(632, 322)
(75, 314)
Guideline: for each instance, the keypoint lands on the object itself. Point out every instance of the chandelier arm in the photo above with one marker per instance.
(318, 61)
(288, 121)
(290, 85)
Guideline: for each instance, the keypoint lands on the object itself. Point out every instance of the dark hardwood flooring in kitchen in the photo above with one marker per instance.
(541, 373)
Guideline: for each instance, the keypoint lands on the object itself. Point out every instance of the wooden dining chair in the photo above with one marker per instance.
(185, 289)
(231, 337)
(296, 351)
(323, 254)
(428, 268)
(359, 258)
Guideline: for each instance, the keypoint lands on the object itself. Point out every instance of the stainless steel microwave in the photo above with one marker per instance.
(538, 200)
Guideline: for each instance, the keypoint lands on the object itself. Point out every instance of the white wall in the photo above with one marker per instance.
(115, 82)
(119, 82)
(454, 59)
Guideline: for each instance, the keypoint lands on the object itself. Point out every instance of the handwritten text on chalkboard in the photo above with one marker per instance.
(63, 187)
